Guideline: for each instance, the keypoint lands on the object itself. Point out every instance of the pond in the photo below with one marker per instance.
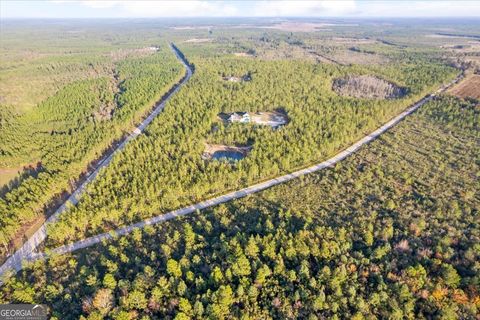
(228, 155)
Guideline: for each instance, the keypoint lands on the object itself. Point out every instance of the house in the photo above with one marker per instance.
(232, 79)
(242, 117)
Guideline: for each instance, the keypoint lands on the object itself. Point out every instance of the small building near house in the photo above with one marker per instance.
(242, 117)
(232, 78)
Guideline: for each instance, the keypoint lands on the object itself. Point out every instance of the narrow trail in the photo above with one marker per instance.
(14, 263)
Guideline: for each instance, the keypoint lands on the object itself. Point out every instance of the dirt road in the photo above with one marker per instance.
(14, 262)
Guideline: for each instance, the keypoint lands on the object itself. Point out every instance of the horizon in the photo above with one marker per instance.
(323, 9)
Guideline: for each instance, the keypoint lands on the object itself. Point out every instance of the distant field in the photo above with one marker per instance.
(468, 88)
(305, 26)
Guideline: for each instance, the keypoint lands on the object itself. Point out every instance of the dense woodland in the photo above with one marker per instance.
(141, 181)
(400, 242)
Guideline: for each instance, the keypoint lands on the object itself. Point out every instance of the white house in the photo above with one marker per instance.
(242, 117)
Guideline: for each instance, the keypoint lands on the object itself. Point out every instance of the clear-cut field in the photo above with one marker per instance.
(367, 87)
(468, 88)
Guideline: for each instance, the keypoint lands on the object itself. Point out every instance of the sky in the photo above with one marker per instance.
(250, 8)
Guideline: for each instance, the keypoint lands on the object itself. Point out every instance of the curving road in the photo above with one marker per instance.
(15, 262)
(26, 252)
